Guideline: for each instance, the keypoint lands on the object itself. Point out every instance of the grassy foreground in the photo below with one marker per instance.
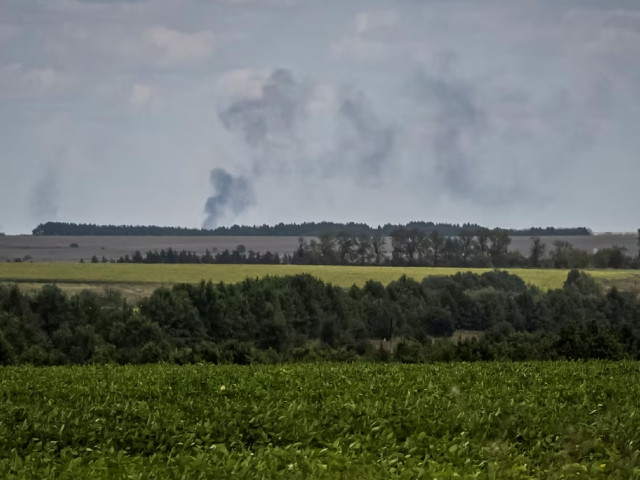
(492, 420)
(344, 276)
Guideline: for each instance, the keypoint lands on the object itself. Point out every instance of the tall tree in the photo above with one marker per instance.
(483, 239)
(377, 245)
(399, 239)
(437, 243)
(364, 249)
(327, 246)
(423, 247)
(467, 244)
(500, 242)
(346, 244)
(452, 251)
(536, 252)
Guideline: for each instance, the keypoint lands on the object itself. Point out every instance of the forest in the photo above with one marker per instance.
(479, 249)
(301, 318)
(305, 229)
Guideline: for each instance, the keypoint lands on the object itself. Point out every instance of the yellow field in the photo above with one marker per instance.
(345, 276)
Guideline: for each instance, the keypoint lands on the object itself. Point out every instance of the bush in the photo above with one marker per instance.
(438, 322)
(408, 352)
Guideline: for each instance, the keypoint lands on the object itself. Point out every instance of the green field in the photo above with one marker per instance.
(483, 420)
(339, 275)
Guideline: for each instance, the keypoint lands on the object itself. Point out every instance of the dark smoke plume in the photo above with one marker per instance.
(273, 113)
(274, 126)
(457, 117)
(370, 141)
(231, 195)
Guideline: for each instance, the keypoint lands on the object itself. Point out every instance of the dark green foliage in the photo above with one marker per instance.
(408, 352)
(307, 229)
(497, 420)
(302, 318)
(481, 248)
(438, 322)
(583, 283)
(7, 355)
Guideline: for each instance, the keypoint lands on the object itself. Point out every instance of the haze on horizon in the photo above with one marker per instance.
(194, 113)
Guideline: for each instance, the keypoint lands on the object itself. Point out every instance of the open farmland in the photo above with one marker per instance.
(58, 249)
(484, 420)
(345, 276)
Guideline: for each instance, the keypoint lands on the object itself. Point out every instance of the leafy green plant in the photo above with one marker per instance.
(490, 420)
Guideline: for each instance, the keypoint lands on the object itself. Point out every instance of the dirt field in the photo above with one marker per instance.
(58, 249)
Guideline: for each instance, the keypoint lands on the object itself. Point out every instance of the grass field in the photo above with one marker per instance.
(483, 420)
(141, 274)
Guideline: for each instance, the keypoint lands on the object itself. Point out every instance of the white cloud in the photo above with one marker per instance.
(369, 40)
(557, 83)
(376, 19)
(323, 98)
(354, 47)
(173, 46)
(18, 82)
(142, 96)
(242, 83)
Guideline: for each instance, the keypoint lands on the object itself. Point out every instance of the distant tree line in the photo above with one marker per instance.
(480, 248)
(306, 229)
(81, 229)
(299, 318)
(239, 255)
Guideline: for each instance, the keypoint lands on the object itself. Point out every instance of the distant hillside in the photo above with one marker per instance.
(306, 229)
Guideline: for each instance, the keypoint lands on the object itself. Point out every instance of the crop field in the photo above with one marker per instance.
(485, 420)
(345, 276)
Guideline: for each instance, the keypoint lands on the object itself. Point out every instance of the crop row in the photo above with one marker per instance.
(491, 420)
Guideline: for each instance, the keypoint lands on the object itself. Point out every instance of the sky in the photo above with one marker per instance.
(215, 112)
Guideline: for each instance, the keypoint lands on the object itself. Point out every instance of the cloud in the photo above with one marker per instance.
(305, 126)
(271, 115)
(367, 140)
(232, 195)
(44, 195)
(541, 99)
(242, 83)
(361, 49)
(175, 47)
(19, 82)
(267, 3)
(375, 19)
(8, 32)
(629, 21)
(142, 96)
(456, 116)
(369, 40)
(108, 2)
(295, 131)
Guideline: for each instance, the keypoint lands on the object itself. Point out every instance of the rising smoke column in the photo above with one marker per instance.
(281, 124)
(232, 194)
(457, 118)
(367, 139)
(265, 123)
(268, 123)
(276, 110)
